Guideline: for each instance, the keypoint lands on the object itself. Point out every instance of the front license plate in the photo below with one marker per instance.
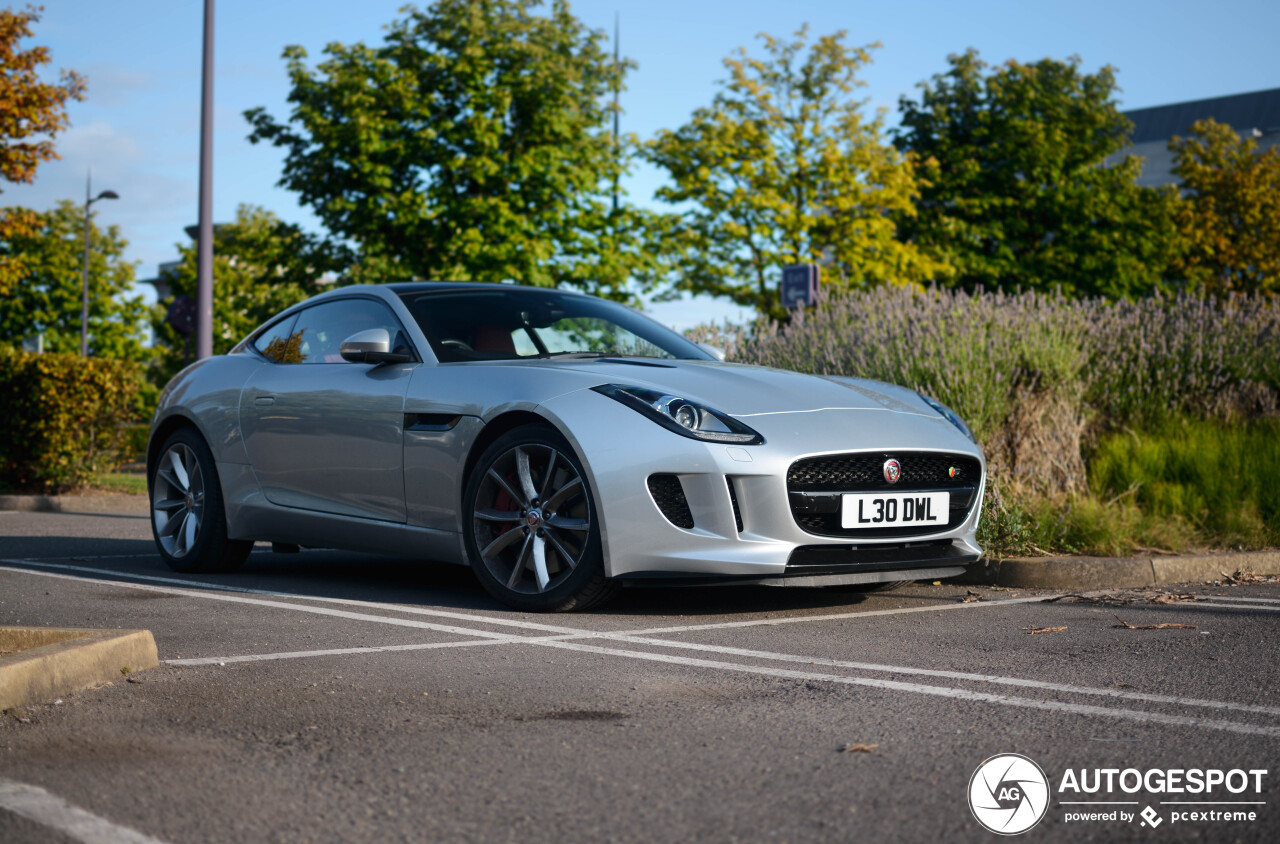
(894, 509)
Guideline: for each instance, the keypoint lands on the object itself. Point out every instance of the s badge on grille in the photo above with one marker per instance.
(892, 470)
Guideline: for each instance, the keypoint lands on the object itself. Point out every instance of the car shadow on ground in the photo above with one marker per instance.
(415, 582)
(329, 574)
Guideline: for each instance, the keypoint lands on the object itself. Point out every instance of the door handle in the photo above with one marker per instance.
(264, 401)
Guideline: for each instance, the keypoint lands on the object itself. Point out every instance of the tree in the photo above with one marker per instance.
(46, 298)
(783, 168)
(1016, 189)
(32, 113)
(260, 266)
(471, 145)
(1230, 216)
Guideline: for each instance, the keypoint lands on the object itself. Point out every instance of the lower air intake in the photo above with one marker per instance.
(668, 494)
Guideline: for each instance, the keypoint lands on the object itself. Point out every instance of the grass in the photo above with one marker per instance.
(119, 482)
(1187, 484)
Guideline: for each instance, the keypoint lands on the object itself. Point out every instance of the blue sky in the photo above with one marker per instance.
(138, 129)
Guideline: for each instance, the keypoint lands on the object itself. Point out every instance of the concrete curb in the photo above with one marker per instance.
(108, 502)
(1119, 572)
(50, 661)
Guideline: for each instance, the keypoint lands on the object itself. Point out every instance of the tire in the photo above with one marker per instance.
(530, 526)
(188, 519)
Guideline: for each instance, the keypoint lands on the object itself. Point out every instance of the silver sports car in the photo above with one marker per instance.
(560, 444)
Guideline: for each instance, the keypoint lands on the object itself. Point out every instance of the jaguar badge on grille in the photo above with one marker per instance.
(892, 470)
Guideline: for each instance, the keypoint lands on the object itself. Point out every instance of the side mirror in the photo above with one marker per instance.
(372, 345)
(715, 351)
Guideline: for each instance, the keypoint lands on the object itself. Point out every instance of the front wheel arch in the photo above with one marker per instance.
(495, 487)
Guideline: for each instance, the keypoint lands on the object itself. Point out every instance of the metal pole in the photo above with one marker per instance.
(204, 240)
(617, 84)
(84, 287)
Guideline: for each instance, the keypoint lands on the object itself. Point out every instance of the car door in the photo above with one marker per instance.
(322, 433)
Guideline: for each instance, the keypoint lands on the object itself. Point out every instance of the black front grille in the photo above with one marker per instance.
(815, 485)
(668, 494)
(865, 472)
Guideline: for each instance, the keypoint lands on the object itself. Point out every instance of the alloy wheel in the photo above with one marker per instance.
(177, 500)
(532, 518)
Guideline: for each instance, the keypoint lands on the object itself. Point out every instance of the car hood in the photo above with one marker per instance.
(745, 391)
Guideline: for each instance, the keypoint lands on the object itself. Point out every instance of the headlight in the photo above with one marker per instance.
(950, 415)
(682, 416)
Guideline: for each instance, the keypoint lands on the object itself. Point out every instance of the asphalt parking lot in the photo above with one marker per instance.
(325, 696)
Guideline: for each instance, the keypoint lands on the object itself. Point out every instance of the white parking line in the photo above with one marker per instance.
(767, 622)
(1246, 600)
(213, 595)
(36, 804)
(226, 660)
(1227, 603)
(949, 675)
(939, 691)
(218, 587)
(623, 636)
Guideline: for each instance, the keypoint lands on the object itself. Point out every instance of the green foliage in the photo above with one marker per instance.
(1014, 192)
(32, 113)
(1218, 477)
(784, 168)
(260, 266)
(120, 483)
(66, 418)
(48, 294)
(472, 145)
(1230, 217)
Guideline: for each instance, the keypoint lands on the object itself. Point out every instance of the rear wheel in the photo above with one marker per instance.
(531, 531)
(188, 519)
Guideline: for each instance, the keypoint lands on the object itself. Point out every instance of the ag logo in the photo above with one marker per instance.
(1008, 794)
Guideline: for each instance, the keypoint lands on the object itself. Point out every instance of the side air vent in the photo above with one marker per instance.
(733, 499)
(668, 494)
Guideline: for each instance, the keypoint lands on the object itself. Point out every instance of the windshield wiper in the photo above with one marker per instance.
(574, 355)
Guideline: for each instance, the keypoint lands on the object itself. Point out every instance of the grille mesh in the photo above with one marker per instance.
(840, 473)
(865, 472)
(668, 494)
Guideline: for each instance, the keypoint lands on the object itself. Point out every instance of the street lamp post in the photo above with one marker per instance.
(84, 291)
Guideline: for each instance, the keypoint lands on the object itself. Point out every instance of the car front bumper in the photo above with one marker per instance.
(622, 449)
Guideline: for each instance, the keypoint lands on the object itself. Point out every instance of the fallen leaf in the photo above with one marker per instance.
(1124, 625)
(970, 597)
(1172, 599)
(1035, 630)
(859, 748)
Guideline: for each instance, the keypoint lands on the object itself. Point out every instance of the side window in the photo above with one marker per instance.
(320, 330)
(279, 343)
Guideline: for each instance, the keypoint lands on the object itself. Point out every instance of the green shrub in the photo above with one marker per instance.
(65, 418)
(1218, 476)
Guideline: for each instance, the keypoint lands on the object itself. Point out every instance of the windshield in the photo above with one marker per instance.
(514, 324)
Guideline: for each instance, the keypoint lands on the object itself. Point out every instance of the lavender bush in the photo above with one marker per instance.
(1028, 370)
(1129, 363)
(1160, 358)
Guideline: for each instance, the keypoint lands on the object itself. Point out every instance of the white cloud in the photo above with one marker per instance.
(154, 203)
(113, 84)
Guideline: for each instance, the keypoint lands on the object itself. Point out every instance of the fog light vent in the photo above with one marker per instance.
(668, 494)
